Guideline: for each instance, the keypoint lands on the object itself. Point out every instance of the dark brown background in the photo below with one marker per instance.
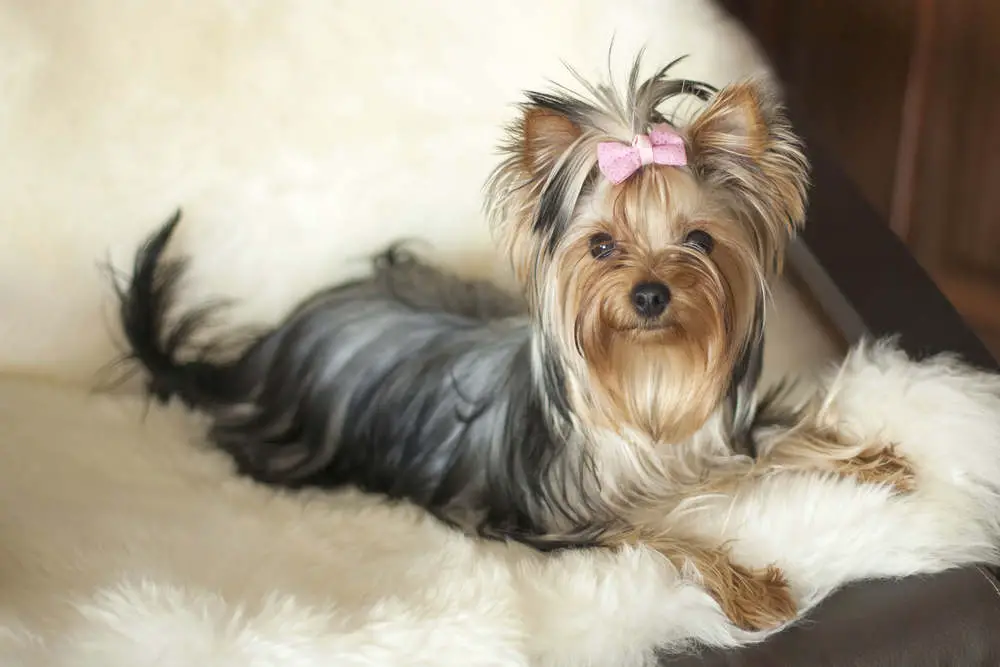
(906, 95)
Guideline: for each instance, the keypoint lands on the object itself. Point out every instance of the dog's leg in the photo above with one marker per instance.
(811, 446)
(752, 599)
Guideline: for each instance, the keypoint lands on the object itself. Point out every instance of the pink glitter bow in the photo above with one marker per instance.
(662, 145)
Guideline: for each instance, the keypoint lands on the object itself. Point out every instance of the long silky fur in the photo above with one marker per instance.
(415, 384)
(411, 383)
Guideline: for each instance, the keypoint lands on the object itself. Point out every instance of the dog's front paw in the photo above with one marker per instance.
(753, 600)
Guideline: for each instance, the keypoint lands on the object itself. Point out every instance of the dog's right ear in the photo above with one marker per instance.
(545, 135)
(532, 194)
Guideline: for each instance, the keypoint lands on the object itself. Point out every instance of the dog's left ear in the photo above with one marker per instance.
(743, 141)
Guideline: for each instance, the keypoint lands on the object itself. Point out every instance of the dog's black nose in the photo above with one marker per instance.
(650, 299)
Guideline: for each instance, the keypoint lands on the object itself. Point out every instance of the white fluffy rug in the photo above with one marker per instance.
(123, 544)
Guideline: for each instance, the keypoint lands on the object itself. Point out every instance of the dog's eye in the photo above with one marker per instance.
(602, 245)
(703, 241)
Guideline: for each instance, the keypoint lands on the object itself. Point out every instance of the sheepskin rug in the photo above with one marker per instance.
(298, 137)
(123, 543)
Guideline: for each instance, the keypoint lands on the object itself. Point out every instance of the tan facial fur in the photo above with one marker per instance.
(662, 375)
(642, 332)
(744, 185)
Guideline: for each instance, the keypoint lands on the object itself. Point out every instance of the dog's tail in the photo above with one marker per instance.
(144, 304)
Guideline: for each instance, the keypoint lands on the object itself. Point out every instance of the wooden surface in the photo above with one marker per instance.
(875, 288)
(954, 226)
(905, 94)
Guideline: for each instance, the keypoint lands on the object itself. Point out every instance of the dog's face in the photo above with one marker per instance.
(652, 289)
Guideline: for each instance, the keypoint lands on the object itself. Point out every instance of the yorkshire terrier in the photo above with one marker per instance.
(581, 412)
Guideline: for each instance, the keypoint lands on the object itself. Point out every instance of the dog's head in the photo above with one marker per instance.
(645, 248)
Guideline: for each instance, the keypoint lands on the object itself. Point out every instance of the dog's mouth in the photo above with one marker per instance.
(648, 329)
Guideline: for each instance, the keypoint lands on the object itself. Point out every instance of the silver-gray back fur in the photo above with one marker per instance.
(411, 383)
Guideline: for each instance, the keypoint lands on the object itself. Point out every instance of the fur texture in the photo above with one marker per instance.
(123, 540)
(588, 419)
(591, 420)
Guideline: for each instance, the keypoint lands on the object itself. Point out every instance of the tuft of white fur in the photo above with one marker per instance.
(126, 542)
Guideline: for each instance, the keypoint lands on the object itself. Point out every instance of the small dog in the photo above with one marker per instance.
(582, 412)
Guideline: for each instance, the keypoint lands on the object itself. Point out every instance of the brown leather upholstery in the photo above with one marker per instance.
(950, 619)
